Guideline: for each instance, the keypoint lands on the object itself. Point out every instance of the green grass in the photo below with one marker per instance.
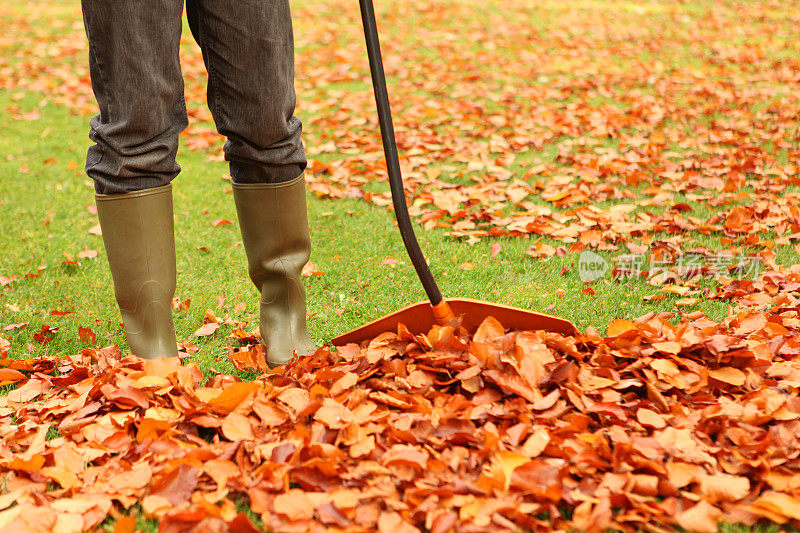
(47, 218)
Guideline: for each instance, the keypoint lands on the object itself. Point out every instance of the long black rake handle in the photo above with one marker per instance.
(390, 150)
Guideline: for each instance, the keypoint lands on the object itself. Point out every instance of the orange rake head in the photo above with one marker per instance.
(421, 316)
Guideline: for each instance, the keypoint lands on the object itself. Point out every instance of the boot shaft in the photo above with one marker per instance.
(274, 226)
(138, 233)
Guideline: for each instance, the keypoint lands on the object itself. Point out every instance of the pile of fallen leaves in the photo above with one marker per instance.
(659, 424)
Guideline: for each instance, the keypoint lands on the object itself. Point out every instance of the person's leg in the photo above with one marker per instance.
(136, 78)
(139, 239)
(135, 71)
(248, 48)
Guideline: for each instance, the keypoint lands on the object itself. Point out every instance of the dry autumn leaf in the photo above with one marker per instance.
(206, 329)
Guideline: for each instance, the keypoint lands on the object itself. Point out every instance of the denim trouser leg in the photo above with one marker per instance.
(249, 53)
(248, 49)
(136, 77)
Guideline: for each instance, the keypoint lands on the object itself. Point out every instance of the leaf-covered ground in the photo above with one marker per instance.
(654, 426)
(663, 137)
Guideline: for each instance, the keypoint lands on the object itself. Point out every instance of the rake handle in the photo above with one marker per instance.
(392, 161)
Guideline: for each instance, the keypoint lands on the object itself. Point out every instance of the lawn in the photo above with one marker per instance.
(532, 135)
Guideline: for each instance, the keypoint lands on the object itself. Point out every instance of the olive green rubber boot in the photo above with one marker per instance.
(138, 232)
(274, 226)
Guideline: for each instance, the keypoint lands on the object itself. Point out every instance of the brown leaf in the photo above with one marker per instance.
(176, 485)
(206, 329)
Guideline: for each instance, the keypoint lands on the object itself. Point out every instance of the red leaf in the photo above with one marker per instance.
(86, 335)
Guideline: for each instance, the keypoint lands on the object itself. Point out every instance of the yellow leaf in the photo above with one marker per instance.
(509, 461)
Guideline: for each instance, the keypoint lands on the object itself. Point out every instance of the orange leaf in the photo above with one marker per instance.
(649, 418)
(407, 455)
(233, 396)
(333, 414)
(294, 505)
(125, 524)
(237, 427)
(702, 518)
(8, 375)
(728, 374)
(618, 327)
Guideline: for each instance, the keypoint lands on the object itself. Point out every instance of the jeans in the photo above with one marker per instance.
(248, 50)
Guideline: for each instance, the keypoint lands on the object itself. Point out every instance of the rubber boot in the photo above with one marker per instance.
(274, 225)
(138, 232)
